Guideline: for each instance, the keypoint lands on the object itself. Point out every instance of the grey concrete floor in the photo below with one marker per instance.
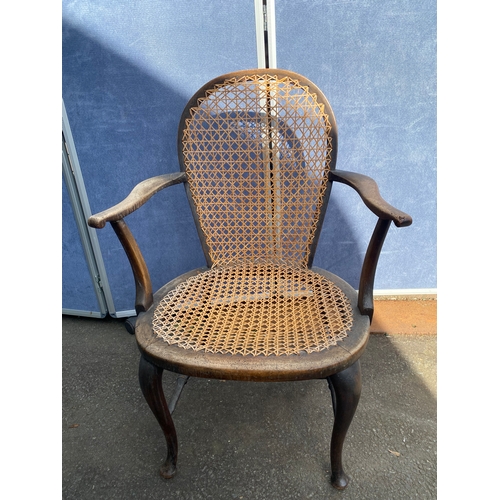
(241, 440)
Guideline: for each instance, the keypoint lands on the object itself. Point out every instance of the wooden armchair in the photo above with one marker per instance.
(257, 151)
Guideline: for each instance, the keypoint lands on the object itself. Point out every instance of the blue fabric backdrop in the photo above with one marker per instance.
(130, 67)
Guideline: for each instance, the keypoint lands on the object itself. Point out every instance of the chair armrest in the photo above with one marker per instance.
(137, 197)
(368, 190)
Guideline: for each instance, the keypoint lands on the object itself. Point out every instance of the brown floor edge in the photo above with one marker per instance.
(400, 317)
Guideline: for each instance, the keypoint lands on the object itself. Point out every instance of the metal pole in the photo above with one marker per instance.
(265, 30)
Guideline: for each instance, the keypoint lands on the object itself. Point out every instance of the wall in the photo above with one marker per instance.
(376, 63)
(130, 67)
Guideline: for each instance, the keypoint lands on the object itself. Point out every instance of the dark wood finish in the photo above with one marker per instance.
(367, 279)
(143, 289)
(315, 241)
(370, 194)
(345, 387)
(150, 381)
(253, 368)
(137, 197)
(368, 190)
(339, 364)
(201, 234)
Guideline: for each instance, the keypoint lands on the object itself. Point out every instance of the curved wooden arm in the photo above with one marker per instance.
(137, 197)
(368, 190)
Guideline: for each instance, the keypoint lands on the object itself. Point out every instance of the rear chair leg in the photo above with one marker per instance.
(150, 381)
(346, 390)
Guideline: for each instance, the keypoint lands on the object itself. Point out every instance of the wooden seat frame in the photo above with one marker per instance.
(339, 364)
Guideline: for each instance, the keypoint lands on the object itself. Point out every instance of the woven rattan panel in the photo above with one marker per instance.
(254, 310)
(256, 152)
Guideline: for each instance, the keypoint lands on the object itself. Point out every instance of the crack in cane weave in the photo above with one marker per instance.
(256, 151)
(254, 310)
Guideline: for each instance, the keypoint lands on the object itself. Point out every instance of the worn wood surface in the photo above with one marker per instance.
(370, 194)
(367, 278)
(345, 388)
(253, 368)
(151, 386)
(137, 197)
(143, 287)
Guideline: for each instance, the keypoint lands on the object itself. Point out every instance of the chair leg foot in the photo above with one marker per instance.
(130, 325)
(150, 381)
(345, 388)
(340, 482)
(167, 470)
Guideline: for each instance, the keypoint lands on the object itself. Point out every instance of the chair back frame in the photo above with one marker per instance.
(260, 79)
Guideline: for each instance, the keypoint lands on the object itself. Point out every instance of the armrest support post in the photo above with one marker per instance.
(365, 294)
(143, 288)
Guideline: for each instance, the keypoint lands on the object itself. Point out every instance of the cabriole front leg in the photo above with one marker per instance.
(346, 390)
(150, 381)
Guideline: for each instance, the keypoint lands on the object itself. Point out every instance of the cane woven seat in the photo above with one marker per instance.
(254, 310)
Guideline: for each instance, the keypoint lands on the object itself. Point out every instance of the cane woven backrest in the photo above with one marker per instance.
(257, 149)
